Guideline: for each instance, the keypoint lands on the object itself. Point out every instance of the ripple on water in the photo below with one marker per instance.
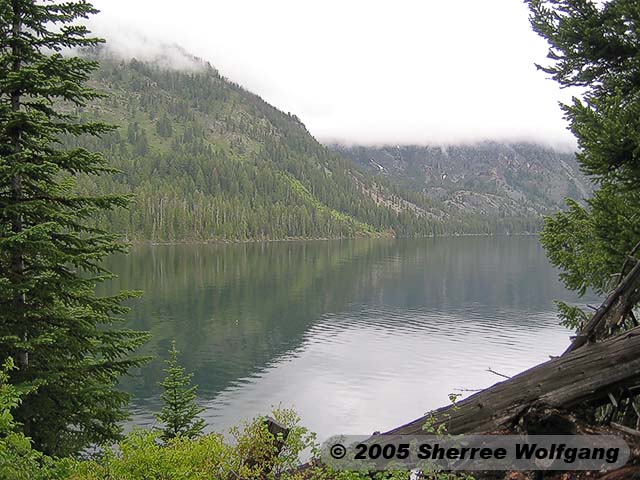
(364, 341)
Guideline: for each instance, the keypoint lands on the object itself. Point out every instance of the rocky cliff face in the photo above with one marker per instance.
(485, 178)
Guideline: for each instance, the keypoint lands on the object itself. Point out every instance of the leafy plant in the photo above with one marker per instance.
(143, 456)
(434, 425)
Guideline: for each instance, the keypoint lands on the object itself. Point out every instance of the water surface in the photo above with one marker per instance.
(358, 335)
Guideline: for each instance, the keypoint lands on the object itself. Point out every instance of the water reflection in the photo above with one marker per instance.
(357, 335)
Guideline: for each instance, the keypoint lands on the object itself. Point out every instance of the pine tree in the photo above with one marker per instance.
(179, 414)
(51, 320)
(595, 46)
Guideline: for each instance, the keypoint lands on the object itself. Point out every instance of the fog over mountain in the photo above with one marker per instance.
(363, 72)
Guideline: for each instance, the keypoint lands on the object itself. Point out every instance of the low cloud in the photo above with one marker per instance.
(363, 71)
(129, 44)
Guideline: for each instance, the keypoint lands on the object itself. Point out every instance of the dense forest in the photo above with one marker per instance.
(208, 160)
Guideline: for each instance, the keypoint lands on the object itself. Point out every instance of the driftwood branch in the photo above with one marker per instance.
(630, 258)
(497, 373)
(627, 430)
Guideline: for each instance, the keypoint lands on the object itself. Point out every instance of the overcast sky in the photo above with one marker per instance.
(366, 71)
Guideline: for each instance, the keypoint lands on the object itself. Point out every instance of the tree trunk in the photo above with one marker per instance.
(17, 257)
(613, 310)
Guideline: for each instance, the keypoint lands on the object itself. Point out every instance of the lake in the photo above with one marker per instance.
(357, 335)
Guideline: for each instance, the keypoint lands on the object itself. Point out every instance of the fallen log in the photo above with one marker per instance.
(543, 399)
(585, 375)
(587, 372)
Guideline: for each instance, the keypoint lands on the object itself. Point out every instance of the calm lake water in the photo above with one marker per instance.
(357, 335)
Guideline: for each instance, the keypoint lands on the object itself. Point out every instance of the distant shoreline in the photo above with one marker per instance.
(137, 243)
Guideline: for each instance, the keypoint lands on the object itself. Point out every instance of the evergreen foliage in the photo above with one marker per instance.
(595, 46)
(208, 160)
(179, 413)
(51, 322)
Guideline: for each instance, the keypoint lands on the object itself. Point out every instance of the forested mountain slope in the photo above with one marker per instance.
(486, 178)
(208, 160)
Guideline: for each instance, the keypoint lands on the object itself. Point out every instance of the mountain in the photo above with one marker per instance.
(208, 160)
(488, 178)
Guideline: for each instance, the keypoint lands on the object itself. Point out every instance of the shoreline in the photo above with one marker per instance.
(138, 243)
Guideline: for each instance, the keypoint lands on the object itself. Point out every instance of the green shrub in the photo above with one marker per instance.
(144, 456)
(18, 460)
